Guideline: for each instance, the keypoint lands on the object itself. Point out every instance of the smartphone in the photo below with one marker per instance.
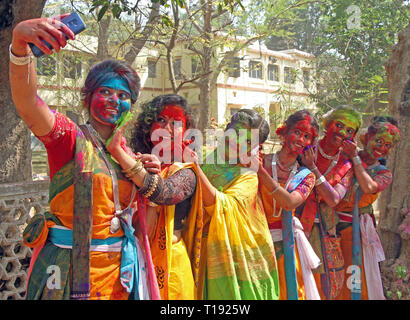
(73, 21)
(306, 148)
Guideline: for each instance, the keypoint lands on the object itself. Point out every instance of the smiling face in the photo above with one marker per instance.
(339, 130)
(380, 144)
(110, 100)
(299, 136)
(172, 119)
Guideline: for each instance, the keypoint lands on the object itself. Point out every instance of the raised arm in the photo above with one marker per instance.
(331, 195)
(23, 79)
(367, 184)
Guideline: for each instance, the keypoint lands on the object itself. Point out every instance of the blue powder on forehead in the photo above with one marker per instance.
(116, 83)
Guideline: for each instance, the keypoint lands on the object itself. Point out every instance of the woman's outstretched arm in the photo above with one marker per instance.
(23, 79)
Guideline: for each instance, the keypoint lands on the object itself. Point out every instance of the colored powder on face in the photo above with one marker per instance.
(300, 136)
(101, 104)
(116, 83)
(389, 129)
(349, 117)
(376, 146)
(174, 112)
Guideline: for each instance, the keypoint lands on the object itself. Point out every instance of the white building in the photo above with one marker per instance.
(276, 82)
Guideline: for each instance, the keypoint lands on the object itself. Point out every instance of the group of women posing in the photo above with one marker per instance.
(124, 224)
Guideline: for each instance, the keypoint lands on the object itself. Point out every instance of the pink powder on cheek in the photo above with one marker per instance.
(99, 108)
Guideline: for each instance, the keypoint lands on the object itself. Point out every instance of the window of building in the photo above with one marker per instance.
(152, 68)
(255, 69)
(46, 66)
(235, 67)
(290, 75)
(306, 78)
(177, 68)
(71, 67)
(195, 65)
(273, 72)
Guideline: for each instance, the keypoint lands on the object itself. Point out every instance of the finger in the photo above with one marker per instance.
(57, 34)
(46, 36)
(153, 170)
(146, 157)
(61, 16)
(38, 41)
(151, 165)
(58, 24)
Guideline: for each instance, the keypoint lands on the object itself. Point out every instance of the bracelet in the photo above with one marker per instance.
(274, 190)
(21, 61)
(133, 171)
(356, 160)
(153, 187)
(320, 180)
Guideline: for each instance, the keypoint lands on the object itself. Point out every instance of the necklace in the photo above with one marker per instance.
(334, 158)
(324, 155)
(282, 166)
(293, 170)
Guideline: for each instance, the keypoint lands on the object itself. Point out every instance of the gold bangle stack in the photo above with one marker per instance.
(153, 187)
(133, 171)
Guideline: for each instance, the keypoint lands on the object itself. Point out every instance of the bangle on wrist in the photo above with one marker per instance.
(320, 180)
(21, 61)
(134, 170)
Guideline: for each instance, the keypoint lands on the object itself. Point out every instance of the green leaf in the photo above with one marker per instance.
(166, 20)
(116, 10)
(102, 12)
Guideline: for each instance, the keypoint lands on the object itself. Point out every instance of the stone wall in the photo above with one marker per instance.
(18, 203)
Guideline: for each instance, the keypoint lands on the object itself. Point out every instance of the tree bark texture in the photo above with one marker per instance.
(15, 155)
(394, 226)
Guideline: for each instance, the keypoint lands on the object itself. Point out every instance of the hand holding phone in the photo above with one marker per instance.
(73, 21)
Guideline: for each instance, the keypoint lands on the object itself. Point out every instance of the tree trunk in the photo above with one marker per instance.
(205, 82)
(103, 34)
(139, 41)
(15, 155)
(394, 226)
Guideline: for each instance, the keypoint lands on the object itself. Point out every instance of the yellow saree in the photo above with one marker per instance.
(177, 265)
(239, 258)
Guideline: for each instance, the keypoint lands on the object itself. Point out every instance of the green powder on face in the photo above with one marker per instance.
(349, 116)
